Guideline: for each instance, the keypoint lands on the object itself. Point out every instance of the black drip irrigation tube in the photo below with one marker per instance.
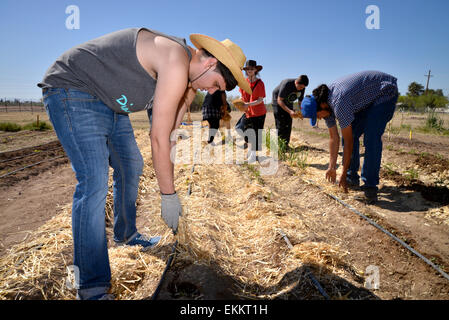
(308, 272)
(169, 263)
(173, 253)
(31, 165)
(29, 155)
(405, 245)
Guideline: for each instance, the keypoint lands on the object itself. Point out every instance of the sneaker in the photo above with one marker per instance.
(352, 183)
(105, 296)
(141, 240)
(252, 157)
(369, 195)
(96, 293)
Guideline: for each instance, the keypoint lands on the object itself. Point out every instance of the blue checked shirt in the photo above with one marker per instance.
(356, 92)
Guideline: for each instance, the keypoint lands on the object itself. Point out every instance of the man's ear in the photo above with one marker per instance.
(211, 62)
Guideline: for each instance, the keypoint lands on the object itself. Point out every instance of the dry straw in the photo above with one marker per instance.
(230, 223)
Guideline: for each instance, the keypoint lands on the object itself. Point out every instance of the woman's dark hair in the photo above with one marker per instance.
(231, 82)
(321, 95)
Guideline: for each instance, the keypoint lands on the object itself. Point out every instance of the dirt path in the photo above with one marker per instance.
(404, 213)
(403, 275)
(28, 204)
(414, 207)
(236, 199)
(10, 141)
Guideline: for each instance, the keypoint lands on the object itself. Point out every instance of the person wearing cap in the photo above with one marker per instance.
(89, 92)
(284, 95)
(254, 108)
(363, 103)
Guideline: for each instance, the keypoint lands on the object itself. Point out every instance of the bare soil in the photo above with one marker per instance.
(413, 204)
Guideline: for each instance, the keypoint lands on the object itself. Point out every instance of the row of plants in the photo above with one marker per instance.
(434, 124)
(33, 126)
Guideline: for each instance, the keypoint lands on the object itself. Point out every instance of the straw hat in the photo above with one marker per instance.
(239, 103)
(228, 53)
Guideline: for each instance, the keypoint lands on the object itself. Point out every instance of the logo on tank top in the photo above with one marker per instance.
(123, 101)
(292, 97)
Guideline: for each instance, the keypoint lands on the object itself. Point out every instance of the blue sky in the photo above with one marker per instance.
(323, 39)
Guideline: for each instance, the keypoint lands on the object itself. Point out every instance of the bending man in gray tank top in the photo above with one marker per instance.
(88, 93)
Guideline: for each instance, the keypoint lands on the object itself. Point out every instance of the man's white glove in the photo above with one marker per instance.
(171, 210)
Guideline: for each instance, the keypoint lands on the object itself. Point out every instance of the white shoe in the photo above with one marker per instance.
(252, 156)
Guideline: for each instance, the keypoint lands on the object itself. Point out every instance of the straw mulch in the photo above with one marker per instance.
(230, 222)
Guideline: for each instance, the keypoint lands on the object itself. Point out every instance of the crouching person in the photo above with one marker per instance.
(89, 92)
(363, 103)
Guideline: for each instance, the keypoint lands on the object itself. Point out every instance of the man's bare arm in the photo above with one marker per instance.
(281, 103)
(170, 89)
(256, 102)
(334, 146)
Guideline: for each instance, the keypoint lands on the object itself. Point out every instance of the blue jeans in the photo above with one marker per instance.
(94, 137)
(370, 122)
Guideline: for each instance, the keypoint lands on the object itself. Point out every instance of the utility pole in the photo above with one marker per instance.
(428, 78)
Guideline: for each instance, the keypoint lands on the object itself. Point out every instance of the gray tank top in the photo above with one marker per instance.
(107, 67)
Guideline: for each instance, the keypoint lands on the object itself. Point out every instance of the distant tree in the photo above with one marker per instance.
(423, 102)
(407, 103)
(437, 92)
(432, 101)
(415, 89)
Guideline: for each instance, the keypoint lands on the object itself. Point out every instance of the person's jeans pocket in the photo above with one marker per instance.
(55, 107)
(48, 92)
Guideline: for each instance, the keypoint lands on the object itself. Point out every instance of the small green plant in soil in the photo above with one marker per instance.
(411, 174)
(389, 169)
(434, 125)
